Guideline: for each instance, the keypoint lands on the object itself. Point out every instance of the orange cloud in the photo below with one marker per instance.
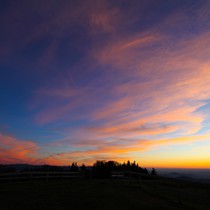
(176, 82)
(121, 53)
(17, 151)
(124, 149)
(155, 83)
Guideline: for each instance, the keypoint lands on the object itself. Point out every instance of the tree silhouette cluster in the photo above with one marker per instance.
(74, 167)
(103, 169)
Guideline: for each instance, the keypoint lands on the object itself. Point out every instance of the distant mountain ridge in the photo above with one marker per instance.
(201, 175)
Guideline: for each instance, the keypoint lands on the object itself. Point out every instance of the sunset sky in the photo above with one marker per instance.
(87, 80)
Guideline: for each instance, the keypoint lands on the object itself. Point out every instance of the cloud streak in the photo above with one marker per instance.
(114, 79)
(119, 149)
(17, 151)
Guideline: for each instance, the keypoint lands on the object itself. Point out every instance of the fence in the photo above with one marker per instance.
(28, 176)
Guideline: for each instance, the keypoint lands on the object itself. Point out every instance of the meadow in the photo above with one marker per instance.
(105, 194)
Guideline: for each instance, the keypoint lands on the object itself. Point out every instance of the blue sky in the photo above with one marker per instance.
(88, 80)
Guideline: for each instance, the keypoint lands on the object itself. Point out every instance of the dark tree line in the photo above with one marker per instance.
(103, 169)
(100, 169)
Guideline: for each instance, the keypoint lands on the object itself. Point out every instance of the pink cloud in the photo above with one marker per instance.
(103, 17)
(156, 85)
(175, 85)
(121, 151)
(17, 151)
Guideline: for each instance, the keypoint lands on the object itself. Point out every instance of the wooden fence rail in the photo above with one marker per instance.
(27, 176)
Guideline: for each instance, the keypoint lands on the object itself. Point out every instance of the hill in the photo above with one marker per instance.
(105, 194)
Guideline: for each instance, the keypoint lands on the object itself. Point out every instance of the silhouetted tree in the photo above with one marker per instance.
(145, 171)
(112, 165)
(153, 172)
(83, 167)
(101, 170)
(123, 167)
(128, 165)
(74, 167)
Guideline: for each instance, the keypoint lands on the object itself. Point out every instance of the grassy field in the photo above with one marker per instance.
(104, 195)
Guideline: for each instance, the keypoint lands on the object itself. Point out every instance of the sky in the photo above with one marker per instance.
(91, 80)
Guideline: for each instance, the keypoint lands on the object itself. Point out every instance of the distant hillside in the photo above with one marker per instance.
(201, 175)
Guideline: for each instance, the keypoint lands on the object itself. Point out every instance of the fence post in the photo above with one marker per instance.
(47, 174)
(30, 176)
(179, 194)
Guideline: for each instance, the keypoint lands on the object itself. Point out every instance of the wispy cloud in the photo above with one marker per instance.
(17, 151)
(119, 149)
(156, 88)
(111, 79)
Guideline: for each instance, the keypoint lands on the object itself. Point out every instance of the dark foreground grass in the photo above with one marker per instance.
(104, 195)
